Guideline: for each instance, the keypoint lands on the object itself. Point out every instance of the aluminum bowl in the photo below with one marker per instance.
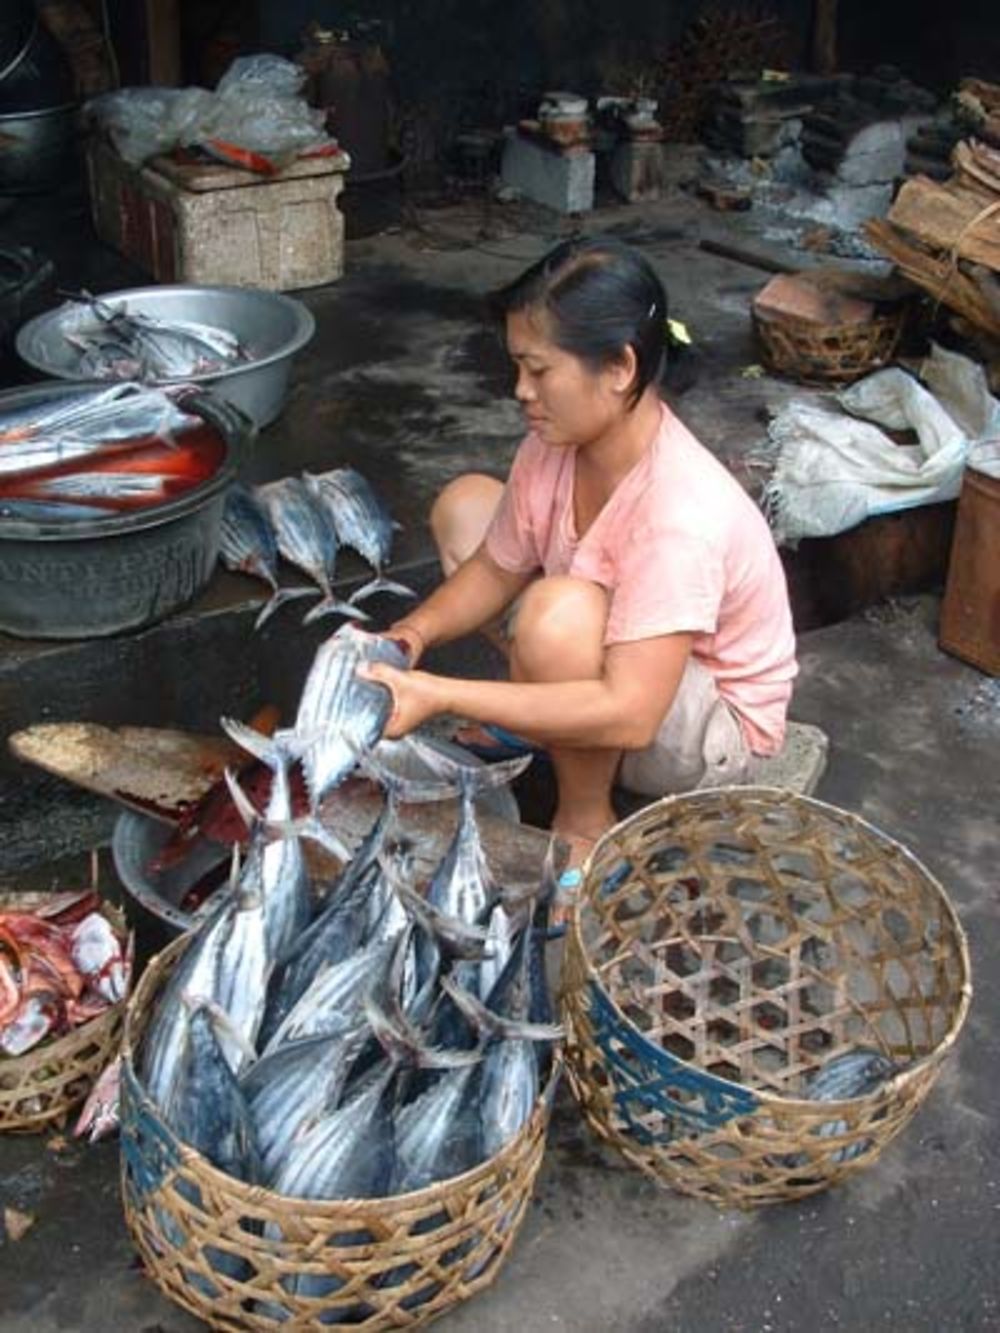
(271, 326)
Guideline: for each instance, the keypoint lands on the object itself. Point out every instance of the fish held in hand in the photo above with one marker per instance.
(341, 715)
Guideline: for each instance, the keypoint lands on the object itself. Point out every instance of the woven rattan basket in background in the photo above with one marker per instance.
(728, 944)
(39, 1090)
(400, 1261)
(827, 353)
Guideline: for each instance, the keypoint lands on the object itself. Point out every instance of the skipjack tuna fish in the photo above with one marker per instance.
(385, 1033)
(125, 344)
(59, 967)
(82, 456)
(307, 520)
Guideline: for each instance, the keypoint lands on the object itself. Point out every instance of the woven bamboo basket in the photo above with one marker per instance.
(39, 1090)
(395, 1262)
(821, 354)
(728, 944)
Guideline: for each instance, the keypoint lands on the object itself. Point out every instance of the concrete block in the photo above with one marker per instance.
(219, 225)
(800, 763)
(562, 181)
(637, 170)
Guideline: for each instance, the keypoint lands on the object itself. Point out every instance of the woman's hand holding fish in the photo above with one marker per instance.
(409, 638)
(416, 696)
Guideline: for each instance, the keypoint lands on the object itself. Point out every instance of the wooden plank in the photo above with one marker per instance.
(824, 41)
(946, 282)
(146, 768)
(163, 41)
(946, 218)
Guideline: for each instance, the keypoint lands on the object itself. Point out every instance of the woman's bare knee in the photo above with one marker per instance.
(559, 630)
(460, 516)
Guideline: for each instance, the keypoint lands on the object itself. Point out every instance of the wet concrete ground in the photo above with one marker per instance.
(402, 382)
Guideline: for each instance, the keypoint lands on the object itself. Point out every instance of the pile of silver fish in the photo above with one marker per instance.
(125, 344)
(306, 520)
(89, 451)
(367, 1037)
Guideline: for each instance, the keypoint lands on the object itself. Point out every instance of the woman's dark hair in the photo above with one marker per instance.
(600, 296)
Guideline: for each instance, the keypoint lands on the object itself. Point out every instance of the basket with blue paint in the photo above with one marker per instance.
(242, 1257)
(759, 990)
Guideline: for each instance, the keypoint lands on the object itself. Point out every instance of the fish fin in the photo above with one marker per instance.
(460, 939)
(331, 606)
(378, 585)
(407, 791)
(485, 1020)
(279, 598)
(312, 827)
(402, 1044)
(249, 739)
(475, 778)
(220, 1021)
(248, 812)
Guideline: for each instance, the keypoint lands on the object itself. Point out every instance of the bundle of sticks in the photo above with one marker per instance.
(945, 235)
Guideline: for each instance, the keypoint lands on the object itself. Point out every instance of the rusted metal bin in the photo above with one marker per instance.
(970, 613)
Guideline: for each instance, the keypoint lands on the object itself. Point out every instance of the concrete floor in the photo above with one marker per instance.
(402, 382)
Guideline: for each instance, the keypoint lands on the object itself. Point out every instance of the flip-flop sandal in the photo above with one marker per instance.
(506, 745)
(568, 886)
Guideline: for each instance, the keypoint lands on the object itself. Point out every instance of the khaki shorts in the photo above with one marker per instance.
(700, 743)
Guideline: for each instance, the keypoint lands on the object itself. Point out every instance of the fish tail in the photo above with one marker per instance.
(486, 1021)
(221, 1022)
(277, 750)
(381, 584)
(311, 827)
(331, 606)
(401, 1042)
(246, 809)
(460, 938)
(279, 598)
(451, 773)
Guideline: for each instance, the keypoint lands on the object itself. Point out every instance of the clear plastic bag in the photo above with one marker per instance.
(143, 122)
(257, 109)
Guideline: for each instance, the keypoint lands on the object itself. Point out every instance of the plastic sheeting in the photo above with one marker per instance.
(832, 470)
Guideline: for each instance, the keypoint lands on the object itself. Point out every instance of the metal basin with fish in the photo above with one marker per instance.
(270, 326)
(138, 839)
(100, 576)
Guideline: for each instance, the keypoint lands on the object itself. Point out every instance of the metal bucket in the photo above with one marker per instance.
(970, 612)
(100, 576)
(157, 895)
(271, 326)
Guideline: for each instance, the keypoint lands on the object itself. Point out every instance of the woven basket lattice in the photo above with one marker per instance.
(727, 945)
(827, 353)
(39, 1089)
(236, 1255)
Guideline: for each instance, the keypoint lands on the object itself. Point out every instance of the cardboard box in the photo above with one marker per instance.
(218, 225)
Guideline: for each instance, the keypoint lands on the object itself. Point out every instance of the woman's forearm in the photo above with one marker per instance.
(475, 594)
(579, 714)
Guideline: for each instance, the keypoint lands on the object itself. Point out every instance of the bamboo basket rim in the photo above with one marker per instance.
(256, 1195)
(884, 318)
(62, 1045)
(783, 796)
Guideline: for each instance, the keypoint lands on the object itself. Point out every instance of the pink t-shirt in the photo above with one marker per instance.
(680, 547)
